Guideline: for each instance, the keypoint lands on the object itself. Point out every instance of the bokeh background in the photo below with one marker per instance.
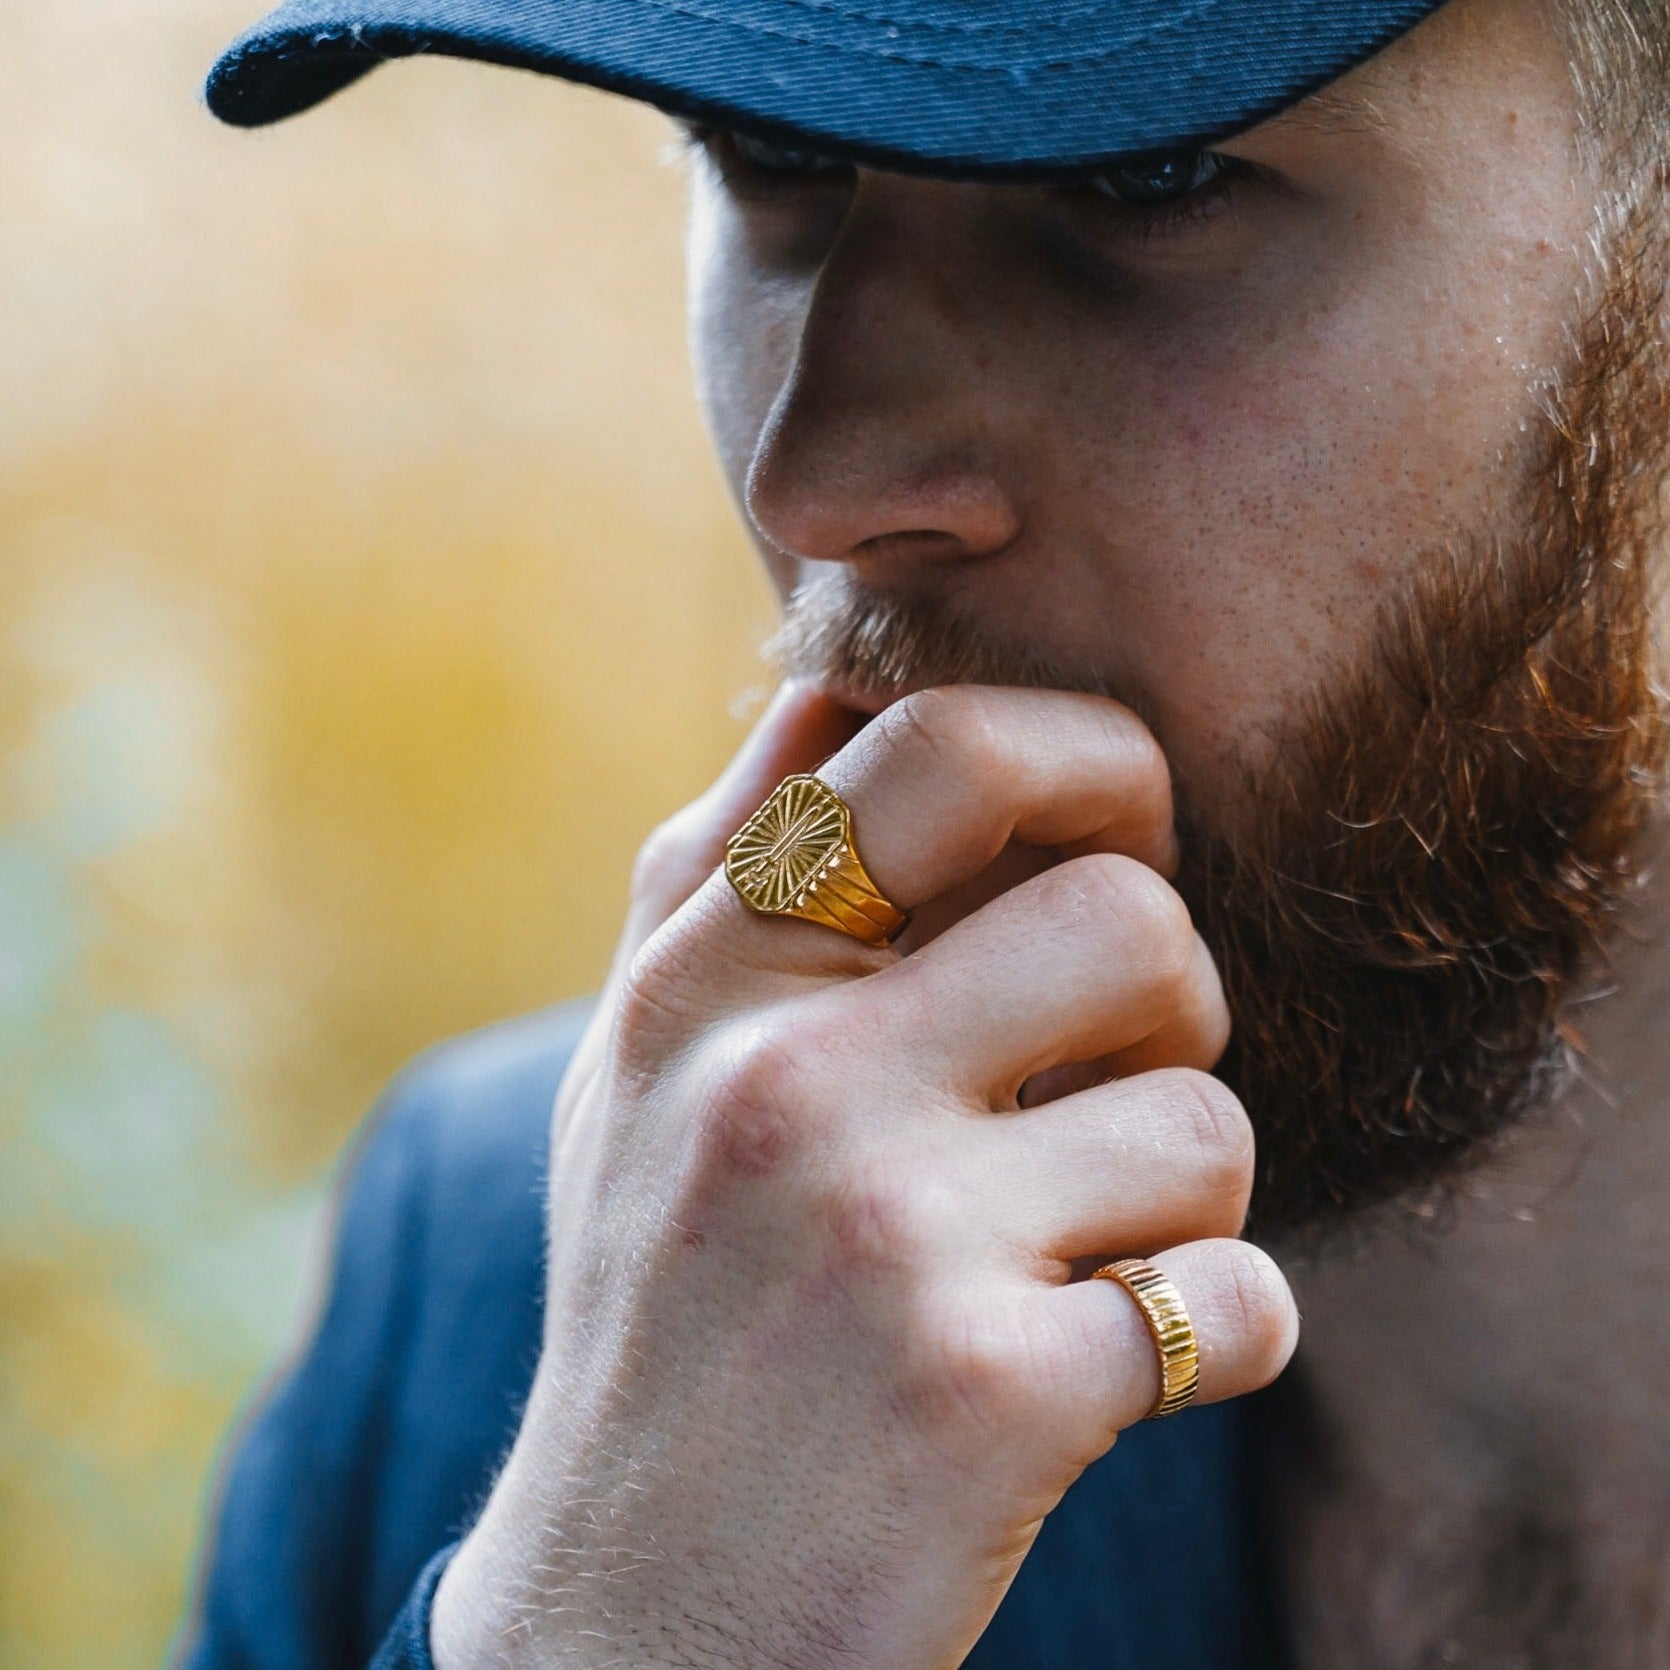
(366, 592)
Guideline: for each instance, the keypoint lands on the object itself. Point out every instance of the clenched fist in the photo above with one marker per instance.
(816, 1364)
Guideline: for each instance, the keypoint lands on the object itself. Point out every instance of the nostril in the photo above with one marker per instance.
(820, 515)
(913, 545)
(884, 482)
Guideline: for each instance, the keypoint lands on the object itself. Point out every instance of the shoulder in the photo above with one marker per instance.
(449, 1190)
(463, 1129)
(441, 1202)
(371, 1448)
(477, 1096)
(446, 1194)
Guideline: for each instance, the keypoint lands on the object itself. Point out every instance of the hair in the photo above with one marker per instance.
(1408, 970)
(1620, 53)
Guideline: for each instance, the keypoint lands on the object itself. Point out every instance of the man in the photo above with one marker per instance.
(1211, 458)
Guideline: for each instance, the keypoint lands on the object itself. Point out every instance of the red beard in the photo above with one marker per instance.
(1424, 881)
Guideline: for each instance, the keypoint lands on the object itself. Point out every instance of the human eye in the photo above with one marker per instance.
(1164, 192)
(752, 166)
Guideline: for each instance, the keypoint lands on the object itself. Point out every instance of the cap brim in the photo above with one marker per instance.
(981, 87)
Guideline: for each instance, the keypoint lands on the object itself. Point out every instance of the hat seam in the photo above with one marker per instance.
(865, 49)
(356, 36)
(992, 30)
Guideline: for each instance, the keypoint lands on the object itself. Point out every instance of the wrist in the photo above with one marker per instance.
(487, 1610)
(524, 1593)
(511, 1600)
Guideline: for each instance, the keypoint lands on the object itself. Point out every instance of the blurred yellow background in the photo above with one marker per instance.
(366, 593)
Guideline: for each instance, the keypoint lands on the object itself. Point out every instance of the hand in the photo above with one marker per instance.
(814, 1367)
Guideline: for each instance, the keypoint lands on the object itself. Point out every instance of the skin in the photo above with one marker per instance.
(785, 1159)
(1190, 456)
(1195, 459)
(1475, 1470)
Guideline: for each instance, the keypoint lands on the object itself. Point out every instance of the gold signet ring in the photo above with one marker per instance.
(1174, 1335)
(795, 857)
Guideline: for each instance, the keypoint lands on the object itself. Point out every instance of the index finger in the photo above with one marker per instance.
(943, 780)
(938, 786)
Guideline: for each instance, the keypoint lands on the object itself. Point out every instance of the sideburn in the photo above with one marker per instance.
(1452, 828)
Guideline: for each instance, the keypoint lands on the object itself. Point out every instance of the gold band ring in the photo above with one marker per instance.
(796, 857)
(1168, 1321)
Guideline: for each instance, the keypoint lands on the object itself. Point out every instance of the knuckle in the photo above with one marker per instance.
(1157, 911)
(1150, 776)
(665, 865)
(952, 724)
(1261, 1309)
(1218, 1126)
(1215, 1021)
(753, 1113)
(1090, 888)
(975, 1372)
(1143, 905)
(655, 991)
(1134, 906)
(1147, 809)
(879, 1220)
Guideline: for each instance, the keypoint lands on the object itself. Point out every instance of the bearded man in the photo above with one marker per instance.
(1211, 457)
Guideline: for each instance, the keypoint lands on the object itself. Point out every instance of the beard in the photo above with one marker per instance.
(1423, 879)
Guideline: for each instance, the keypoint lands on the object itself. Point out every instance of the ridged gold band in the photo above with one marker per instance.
(796, 857)
(1168, 1321)
(844, 897)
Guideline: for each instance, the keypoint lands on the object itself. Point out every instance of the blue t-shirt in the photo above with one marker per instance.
(366, 1458)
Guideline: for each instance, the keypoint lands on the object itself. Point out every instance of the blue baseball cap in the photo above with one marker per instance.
(986, 88)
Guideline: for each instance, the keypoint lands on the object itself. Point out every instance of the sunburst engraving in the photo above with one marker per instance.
(777, 859)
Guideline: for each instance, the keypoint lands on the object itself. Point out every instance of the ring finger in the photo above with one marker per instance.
(1106, 1366)
(1138, 1164)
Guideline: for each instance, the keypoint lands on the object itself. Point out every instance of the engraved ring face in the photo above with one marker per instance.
(788, 845)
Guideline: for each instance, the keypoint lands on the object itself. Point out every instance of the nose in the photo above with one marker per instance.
(889, 444)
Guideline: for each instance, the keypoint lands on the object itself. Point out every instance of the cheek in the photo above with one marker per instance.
(1286, 476)
(744, 324)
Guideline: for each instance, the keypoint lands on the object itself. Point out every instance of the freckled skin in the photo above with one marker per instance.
(1198, 466)
(814, 1367)
(1195, 463)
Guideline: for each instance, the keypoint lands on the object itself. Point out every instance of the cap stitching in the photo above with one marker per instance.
(992, 29)
(356, 36)
(861, 48)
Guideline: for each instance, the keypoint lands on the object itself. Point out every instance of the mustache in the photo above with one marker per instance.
(837, 633)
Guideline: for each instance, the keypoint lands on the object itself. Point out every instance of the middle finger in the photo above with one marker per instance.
(1088, 960)
(1124, 1168)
